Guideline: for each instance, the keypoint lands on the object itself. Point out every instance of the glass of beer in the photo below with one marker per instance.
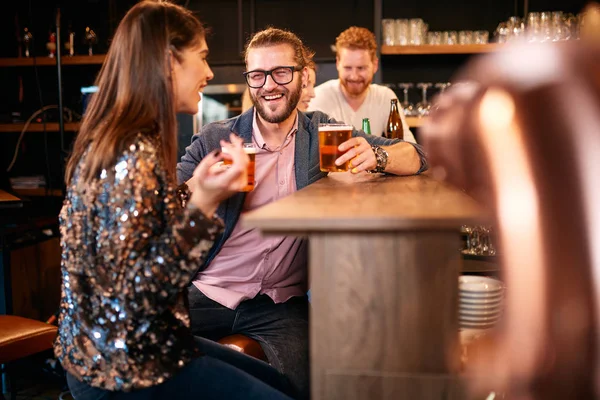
(250, 149)
(330, 137)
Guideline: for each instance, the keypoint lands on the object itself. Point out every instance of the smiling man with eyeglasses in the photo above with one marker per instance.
(280, 76)
(254, 285)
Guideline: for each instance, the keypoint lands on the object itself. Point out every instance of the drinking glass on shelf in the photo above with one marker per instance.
(444, 37)
(452, 37)
(402, 32)
(423, 106)
(434, 38)
(571, 27)
(90, 39)
(479, 241)
(545, 27)
(501, 33)
(465, 37)
(407, 107)
(416, 30)
(388, 27)
(558, 26)
(516, 28)
(533, 30)
(580, 24)
(481, 37)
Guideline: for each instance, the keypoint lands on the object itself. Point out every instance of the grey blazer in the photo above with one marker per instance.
(306, 158)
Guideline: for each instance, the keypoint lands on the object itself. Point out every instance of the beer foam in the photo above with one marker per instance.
(335, 128)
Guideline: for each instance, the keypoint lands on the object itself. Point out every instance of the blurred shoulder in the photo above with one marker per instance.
(383, 92)
(329, 87)
(142, 154)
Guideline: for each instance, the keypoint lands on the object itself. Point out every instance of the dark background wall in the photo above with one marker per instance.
(317, 22)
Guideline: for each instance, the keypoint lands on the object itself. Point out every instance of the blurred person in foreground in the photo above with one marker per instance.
(128, 247)
(353, 96)
(544, 198)
(255, 285)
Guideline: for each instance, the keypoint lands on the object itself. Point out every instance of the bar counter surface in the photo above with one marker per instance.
(384, 264)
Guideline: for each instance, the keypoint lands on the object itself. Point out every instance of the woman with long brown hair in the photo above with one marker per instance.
(129, 247)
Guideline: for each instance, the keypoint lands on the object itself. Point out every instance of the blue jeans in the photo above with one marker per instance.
(281, 329)
(221, 373)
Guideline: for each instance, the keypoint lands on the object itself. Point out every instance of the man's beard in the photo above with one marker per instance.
(353, 90)
(292, 103)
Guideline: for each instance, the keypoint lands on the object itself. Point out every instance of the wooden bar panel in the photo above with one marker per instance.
(385, 303)
(373, 386)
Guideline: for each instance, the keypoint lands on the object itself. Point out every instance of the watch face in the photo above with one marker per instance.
(382, 159)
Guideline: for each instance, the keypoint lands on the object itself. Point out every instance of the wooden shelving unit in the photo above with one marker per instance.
(414, 122)
(39, 192)
(37, 127)
(46, 61)
(441, 49)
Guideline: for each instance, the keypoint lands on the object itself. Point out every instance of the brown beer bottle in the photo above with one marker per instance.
(394, 128)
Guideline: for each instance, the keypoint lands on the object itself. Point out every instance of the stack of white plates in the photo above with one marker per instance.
(480, 301)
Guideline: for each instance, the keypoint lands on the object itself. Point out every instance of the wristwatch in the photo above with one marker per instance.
(382, 158)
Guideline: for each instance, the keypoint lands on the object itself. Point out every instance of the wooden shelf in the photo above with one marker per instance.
(441, 49)
(46, 61)
(414, 122)
(38, 127)
(39, 192)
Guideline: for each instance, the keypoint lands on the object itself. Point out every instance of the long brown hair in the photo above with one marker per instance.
(135, 90)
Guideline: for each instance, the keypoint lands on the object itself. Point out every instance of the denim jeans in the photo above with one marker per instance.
(281, 329)
(221, 373)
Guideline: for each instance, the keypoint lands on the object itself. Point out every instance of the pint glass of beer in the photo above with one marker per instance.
(250, 149)
(330, 137)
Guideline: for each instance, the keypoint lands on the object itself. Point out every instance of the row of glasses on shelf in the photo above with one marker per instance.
(479, 241)
(423, 107)
(540, 27)
(461, 37)
(403, 32)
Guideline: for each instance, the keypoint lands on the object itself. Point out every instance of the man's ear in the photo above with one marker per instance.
(375, 65)
(305, 77)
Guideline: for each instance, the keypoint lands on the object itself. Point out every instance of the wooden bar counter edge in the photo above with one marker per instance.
(384, 263)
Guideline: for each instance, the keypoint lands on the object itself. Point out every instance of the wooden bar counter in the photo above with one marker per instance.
(384, 264)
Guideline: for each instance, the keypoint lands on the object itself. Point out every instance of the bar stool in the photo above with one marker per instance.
(21, 337)
(245, 345)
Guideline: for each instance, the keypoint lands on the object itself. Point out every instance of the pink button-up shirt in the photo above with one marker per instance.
(249, 264)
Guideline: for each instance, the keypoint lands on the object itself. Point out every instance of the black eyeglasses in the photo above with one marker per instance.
(280, 75)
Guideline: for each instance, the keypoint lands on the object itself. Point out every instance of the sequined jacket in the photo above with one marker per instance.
(128, 251)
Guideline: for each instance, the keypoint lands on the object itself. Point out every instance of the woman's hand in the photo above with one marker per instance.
(211, 185)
